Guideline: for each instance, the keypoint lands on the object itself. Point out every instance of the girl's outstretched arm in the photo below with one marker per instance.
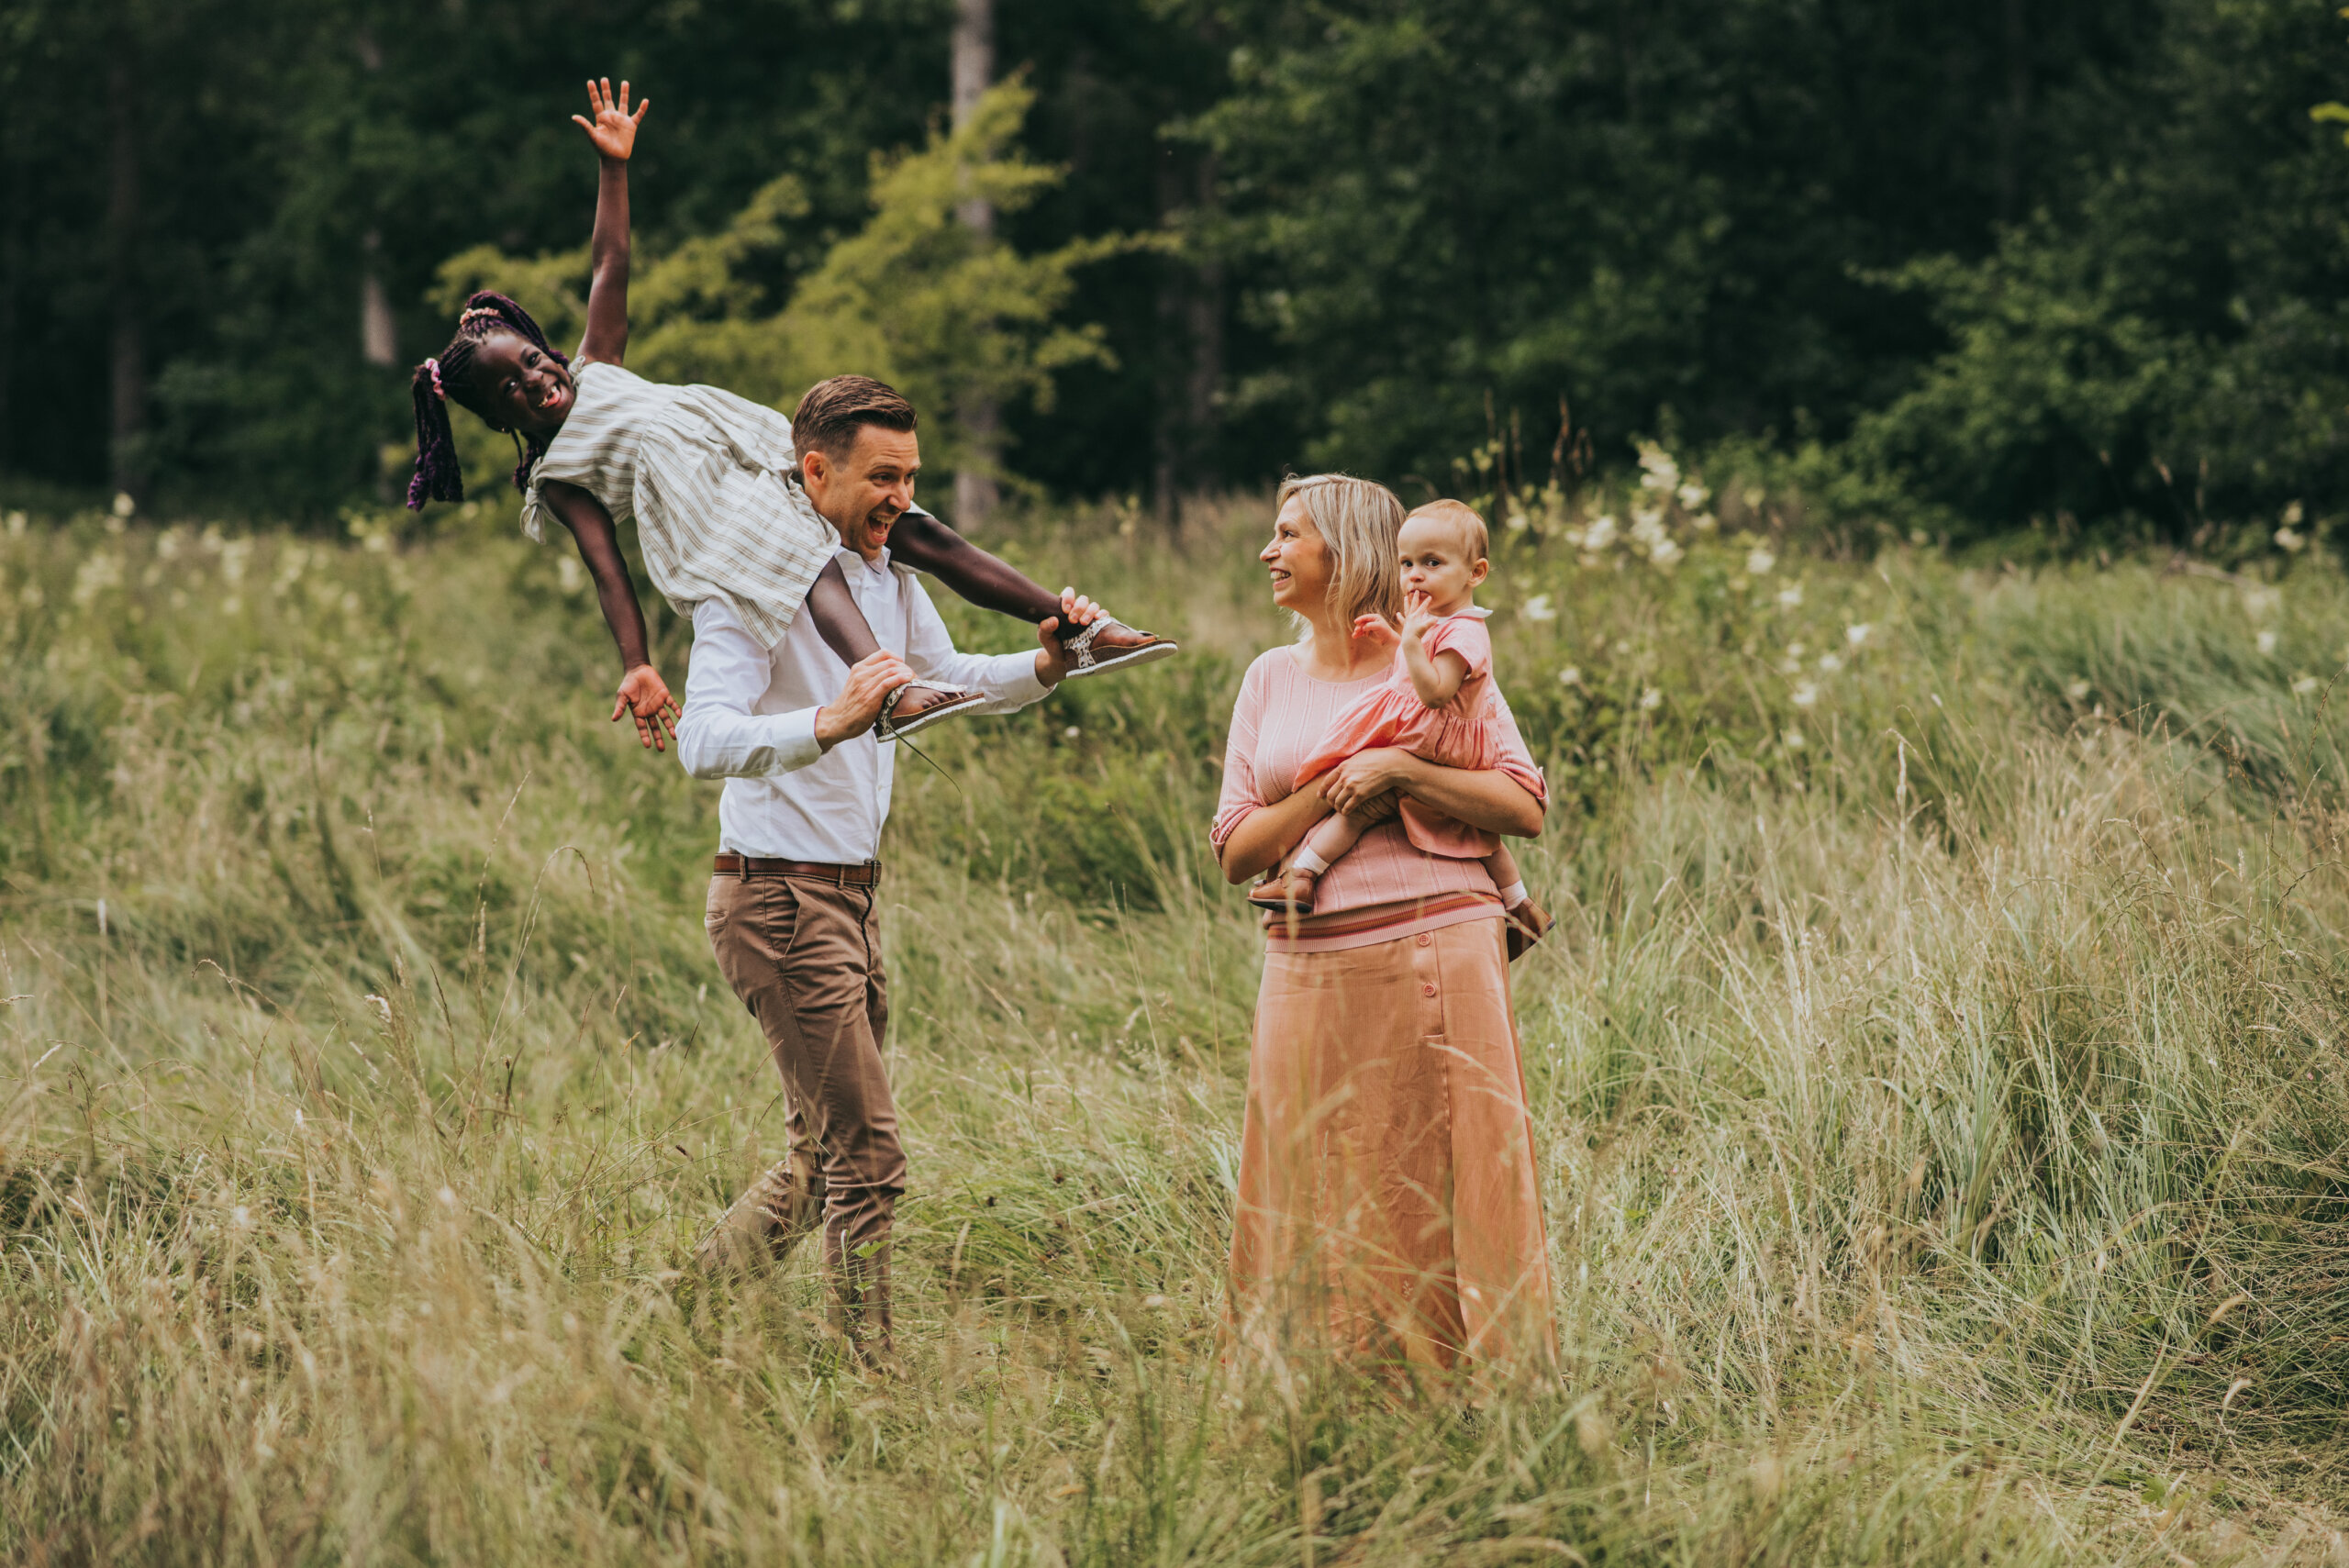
(613, 130)
(642, 692)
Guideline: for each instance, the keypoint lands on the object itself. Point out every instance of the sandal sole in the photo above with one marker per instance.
(1125, 661)
(925, 719)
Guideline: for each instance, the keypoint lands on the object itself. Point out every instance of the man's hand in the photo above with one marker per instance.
(644, 696)
(613, 130)
(854, 710)
(1052, 664)
(1363, 777)
(1376, 631)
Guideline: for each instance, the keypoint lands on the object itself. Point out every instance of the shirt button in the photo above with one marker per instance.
(1425, 939)
(1428, 990)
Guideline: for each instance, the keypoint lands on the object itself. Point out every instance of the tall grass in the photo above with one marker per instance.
(1938, 1074)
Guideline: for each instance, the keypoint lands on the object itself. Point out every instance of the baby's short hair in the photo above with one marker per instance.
(1467, 527)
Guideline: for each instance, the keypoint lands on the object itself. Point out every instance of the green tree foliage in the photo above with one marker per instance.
(1638, 207)
(913, 297)
(2167, 343)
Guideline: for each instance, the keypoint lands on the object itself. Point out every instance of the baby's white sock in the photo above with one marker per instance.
(1307, 860)
(1514, 894)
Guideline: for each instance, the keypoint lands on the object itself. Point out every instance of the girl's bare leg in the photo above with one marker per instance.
(924, 543)
(1507, 877)
(838, 621)
(846, 632)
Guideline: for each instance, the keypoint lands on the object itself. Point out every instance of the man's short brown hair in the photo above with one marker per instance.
(833, 411)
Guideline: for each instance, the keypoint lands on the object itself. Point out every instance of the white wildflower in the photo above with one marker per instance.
(2266, 641)
(567, 574)
(1650, 698)
(1790, 595)
(2078, 691)
(1518, 521)
(1600, 533)
(2293, 514)
(1539, 607)
(96, 574)
(1571, 675)
(2286, 540)
(1792, 741)
(1857, 634)
(1758, 561)
(1805, 694)
(17, 521)
(234, 553)
(2259, 602)
(1657, 469)
(1704, 522)
(1829, 663)
(123, 505)
(1664, 552)
(1072, 732)
(1692, 496)
(2304, 685)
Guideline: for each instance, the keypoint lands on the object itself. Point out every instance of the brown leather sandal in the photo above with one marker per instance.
(1289, 892)
(1107, 643)
(1528, 924)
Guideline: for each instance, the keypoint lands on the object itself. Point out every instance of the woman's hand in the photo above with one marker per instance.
(1375, 630)
(613, 130)
(645, 695)
(1365, 776)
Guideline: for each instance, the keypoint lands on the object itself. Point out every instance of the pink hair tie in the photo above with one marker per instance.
(439, 391)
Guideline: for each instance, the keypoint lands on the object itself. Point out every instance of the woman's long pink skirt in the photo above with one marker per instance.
(1389, 1207)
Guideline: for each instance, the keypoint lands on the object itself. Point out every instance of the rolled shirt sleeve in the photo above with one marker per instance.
(722, 734)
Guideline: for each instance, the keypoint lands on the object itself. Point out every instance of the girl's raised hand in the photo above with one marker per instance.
(1418, 615)
(1373, 629)
(613, 130)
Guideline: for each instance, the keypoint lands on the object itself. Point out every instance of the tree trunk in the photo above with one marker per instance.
(1190, 334)
(379, 334)
(129, 347)
(379, 337)
(2013, 121)
(975, 486)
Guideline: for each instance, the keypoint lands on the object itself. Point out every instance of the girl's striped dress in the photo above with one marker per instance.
(709, 479)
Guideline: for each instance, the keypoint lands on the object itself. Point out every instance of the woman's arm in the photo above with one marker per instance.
(1267, 833)
(642, 692)
(1490, 799)
(613, 130)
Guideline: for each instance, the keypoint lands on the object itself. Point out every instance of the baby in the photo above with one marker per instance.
(1438, 703)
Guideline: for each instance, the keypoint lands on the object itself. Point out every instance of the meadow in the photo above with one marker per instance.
(1938, 1072)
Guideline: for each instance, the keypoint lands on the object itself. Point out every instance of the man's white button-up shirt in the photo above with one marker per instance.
(749, 718)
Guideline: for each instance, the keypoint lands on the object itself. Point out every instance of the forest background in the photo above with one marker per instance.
(2074, 264)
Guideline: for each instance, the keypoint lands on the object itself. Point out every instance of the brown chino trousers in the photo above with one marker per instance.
(805, 956)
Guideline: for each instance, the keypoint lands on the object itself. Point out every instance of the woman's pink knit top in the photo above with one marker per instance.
(1382, 888)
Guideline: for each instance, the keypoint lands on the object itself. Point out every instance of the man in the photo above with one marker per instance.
(793, 911)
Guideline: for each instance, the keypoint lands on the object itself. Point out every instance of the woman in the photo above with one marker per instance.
(1389, 1201)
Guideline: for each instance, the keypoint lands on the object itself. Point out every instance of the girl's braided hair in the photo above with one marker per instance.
(436, 381)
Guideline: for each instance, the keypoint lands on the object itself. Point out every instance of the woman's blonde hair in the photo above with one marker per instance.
(1359, 521)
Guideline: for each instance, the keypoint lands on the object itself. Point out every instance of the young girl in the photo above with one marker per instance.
(1437, 704)
(709, 477)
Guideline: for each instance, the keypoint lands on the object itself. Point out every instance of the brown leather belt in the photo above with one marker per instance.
(865, 875)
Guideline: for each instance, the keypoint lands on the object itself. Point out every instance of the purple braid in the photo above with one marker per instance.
(436, 381)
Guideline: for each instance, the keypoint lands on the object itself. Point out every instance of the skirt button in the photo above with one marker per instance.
(1428, 990)
(1425, 939)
